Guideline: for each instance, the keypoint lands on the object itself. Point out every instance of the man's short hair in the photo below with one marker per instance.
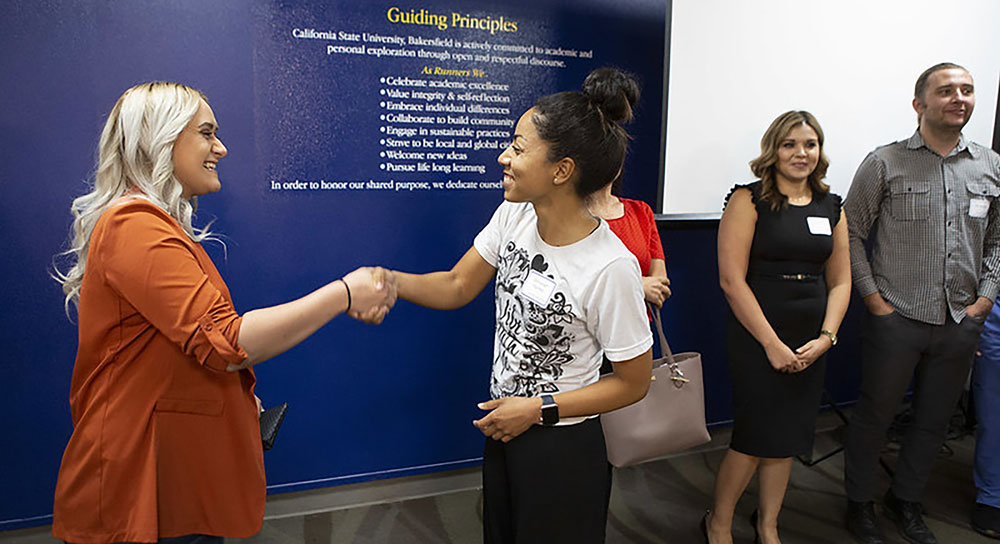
(921, 86)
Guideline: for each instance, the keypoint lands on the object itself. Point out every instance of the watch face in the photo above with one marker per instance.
(550, 414)
(550, 410)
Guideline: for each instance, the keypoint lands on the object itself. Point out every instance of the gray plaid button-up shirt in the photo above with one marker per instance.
(936, 243)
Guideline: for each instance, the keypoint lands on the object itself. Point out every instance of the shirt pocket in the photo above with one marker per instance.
(910, 200)
(981, 190)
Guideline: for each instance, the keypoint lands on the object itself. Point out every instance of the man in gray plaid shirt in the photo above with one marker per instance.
(927, 208)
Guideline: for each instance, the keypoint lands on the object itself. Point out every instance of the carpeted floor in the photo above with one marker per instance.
(659, 502)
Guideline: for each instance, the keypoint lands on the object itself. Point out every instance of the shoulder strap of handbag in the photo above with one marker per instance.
(676, 376)
(664, 346)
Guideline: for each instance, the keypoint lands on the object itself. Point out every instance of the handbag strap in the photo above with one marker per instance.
(676, 375)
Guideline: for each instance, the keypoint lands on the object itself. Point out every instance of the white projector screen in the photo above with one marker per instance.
(735, 66)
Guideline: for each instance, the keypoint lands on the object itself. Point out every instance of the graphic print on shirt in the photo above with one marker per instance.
(533, 344)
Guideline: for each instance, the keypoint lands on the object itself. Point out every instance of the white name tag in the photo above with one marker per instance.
(819, 225)
(538, 288)
(978, 207)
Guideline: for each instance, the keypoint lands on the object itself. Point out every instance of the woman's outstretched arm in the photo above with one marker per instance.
(267, 332)
(447, 290)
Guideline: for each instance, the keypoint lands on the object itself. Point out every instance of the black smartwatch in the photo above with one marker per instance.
(550, 410)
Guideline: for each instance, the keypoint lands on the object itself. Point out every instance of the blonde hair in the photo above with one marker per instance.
(764, 165)
(135, 153)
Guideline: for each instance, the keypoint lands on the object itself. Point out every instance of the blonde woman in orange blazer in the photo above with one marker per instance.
(166, 441)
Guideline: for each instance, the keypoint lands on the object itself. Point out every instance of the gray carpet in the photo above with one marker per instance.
(659, 502)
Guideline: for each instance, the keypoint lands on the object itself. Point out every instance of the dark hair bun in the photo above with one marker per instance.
(613, 91)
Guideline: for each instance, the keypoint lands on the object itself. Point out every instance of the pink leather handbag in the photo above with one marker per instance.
(670, 418)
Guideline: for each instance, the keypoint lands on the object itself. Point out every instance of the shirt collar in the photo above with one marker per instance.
(917, 141)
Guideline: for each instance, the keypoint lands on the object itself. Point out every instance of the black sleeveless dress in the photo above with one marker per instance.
(775, 412)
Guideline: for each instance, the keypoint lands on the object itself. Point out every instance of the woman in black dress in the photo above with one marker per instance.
(785, 270)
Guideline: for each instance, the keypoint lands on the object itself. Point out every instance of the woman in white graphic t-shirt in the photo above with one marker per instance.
(568, 293)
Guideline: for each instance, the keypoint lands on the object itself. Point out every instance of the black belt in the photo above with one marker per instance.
(787, 277)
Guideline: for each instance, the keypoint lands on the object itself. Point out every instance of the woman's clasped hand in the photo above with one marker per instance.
(373, 293)
(785, 359)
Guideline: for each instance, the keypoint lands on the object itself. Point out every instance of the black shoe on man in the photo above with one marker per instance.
(862, 522)
(908, 517)
(986, 520)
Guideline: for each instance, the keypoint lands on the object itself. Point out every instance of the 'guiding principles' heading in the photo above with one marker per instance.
(456, 20)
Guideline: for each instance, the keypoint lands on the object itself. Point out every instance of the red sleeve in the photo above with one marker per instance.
(150, 262)
(653, 234)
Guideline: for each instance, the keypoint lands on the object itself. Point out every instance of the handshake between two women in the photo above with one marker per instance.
(371, 293)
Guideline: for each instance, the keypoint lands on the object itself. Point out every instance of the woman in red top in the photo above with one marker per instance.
(166, 441)
(632, 221)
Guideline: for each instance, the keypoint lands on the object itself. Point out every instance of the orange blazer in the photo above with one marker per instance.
(165, 441)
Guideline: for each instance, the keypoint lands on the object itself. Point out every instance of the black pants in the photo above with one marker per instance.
(895, 350)
(549, 485)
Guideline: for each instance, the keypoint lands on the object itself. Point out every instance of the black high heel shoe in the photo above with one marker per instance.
(753, 521)
(704, 525)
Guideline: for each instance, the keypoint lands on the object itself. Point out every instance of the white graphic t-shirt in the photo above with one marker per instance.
(559, 309)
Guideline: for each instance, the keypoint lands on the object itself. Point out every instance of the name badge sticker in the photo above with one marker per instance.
(819, 225)
(978, 207)
(538, 288)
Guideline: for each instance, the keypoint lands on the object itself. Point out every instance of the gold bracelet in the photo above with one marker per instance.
(830, 335)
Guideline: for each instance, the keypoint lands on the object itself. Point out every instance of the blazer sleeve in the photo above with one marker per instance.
(148, 260)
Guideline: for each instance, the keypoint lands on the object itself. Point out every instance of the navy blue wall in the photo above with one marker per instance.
(366, 402)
